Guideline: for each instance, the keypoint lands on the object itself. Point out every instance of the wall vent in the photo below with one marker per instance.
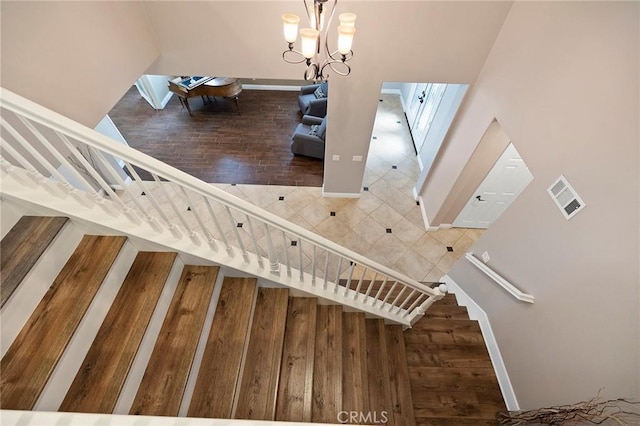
(565, 197)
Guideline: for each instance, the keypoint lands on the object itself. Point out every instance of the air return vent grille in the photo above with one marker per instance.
(565, 197)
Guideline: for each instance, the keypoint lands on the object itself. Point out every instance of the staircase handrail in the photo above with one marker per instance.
(66, 126)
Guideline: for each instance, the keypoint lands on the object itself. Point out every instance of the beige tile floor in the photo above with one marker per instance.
(385, 223)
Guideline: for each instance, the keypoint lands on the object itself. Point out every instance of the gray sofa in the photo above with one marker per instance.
(308, 137)
(313, 101)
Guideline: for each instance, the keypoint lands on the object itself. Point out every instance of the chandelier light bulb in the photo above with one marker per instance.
(347, 19)
(290, 22)
(309, 38)
(315, 45)
(345, 39)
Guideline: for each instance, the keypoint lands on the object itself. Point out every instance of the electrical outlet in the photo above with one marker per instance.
(357, 158)
(336, 157)
(485, 257)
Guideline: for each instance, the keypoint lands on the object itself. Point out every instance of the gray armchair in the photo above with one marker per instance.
(308, 137)
(313, 101)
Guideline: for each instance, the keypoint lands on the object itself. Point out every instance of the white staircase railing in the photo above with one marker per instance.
(50, 160)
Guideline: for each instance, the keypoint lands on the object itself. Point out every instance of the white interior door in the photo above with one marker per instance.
(416, 100)
(506, 180)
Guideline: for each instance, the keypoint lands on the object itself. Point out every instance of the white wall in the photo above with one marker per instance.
(155, 89)
(76, 58)
(563, 81)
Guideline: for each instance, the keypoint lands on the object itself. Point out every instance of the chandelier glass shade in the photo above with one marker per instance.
(314, 47)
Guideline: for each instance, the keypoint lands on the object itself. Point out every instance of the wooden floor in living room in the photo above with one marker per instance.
(219, 145)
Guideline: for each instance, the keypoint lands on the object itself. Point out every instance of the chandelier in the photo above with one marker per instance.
(315, 41)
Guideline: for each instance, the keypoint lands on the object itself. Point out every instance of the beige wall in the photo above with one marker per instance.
(77, 58)
(563, 80)
(491, 146)
(395, 41)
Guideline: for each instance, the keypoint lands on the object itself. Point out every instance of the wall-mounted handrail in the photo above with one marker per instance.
(176, 189)
(501, 281)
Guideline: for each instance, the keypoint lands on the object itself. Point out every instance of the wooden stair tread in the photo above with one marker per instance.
(378, 370)
(296, 373)
(54, 321)
(99, 381)
(445, 312)
(401, 397)
(22, 247)
(443, 324)
(462, 379)
(327, 374)
(219, 373)
(459, 404)
(355, 384)
(448, 299)
(162, 386)
(447, 421)
(446, 331)
(259, 384)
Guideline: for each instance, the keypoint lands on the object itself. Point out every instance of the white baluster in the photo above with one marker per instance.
(146, 191)
(286, 253)
(35, 177)
(313, 267)
(128, 211)
(255, 241)
(379, 292)
(192, 235)
(369, 287)
(397, 298)
(223, 237)
(359, 286)
(300, 255)
(326, 270)
(234, 226)
(27, 146)
(406, 300)
(337, 282)
(347, 285)
(393, 287)
(414, 304)
(205, 232)
(273, 257)
(427, 303)
(62, 159)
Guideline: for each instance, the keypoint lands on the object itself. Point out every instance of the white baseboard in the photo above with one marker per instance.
(340, 194)
(391, 92)
(476, 313)
(165, 101)
(270, 87)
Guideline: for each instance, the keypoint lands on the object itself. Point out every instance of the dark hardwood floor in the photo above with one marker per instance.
(217, 144)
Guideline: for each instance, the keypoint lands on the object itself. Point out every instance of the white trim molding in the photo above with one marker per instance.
(502, 282)
(340, 194)
(478, 314)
